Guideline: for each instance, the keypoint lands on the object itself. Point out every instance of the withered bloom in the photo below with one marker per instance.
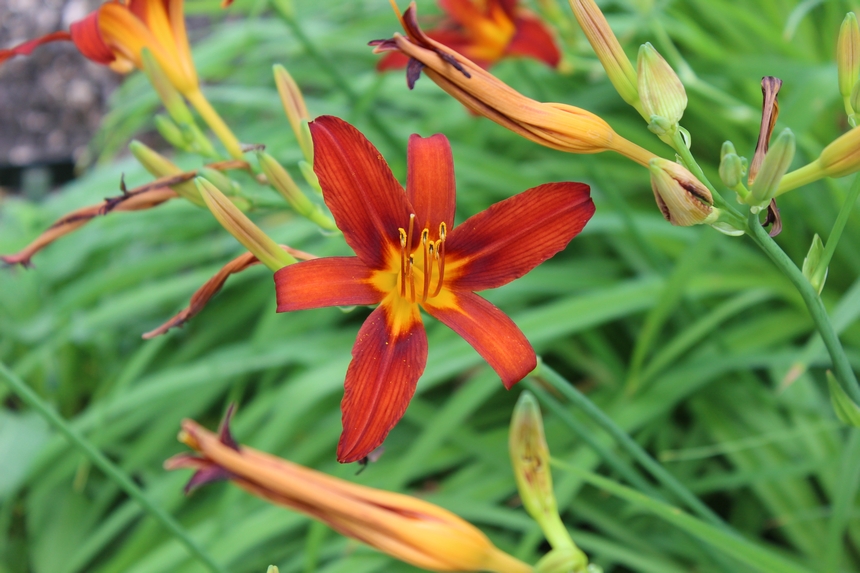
(407, 528)
(556, 125)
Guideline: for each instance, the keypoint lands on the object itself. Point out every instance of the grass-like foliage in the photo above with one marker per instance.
(682, 376)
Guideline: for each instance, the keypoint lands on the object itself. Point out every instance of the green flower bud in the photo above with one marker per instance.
(609, 51)
(160, 166)
(732, 170)
(660, 90)
(812, 264)
(682, 198)
(296, 110)
(240, 226)
(221, 181)
(774, 166)
(171, 132)
(728, 147)
(848, 55)
(285, 185)
(530, 462)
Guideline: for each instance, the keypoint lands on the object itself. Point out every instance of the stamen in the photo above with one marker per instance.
(428, 265)
(411, 279)
(403, 240)
(440, 257)
(425, 241)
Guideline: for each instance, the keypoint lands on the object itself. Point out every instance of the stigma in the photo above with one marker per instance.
(422, 268)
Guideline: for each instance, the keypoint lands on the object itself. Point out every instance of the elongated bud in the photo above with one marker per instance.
(295, 108)
(814, 269)
(167, 92)
(609, 51)
(217, 178)
(286, 186)
(241, 227)
(530, 462)
(555, 125)
(682, 198)
(848, 55)
(160, 166)
(563, 560)
(842, 157)
(307, 170)
(773, 168)
(171, 132)
(660, 90)
(273, 569)
(407, 528)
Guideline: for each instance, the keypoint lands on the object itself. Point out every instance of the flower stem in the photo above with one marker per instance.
(838, 227)
(32, 399)
(216, 124)
(813, 303)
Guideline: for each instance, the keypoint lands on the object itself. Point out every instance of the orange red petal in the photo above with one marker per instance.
(26, 48)
(430, 184)
(513, 236)
(331, 281)
(366, 201)
(491, 332)
(534, 40)
(388, 358)
(88, 39)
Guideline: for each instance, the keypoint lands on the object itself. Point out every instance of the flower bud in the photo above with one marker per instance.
(284, 184)
(217, 178)
(774, 166)
(682, 198)
(848, 55)
(530, 462)
(732, 170)
(610, 53)
(296, 110)
(160, 166)
(171, 132)
(405, 527)
(842, 156)
(241, 227)
(563, 560)
(660, 89)
(812, 265)
(166, 91)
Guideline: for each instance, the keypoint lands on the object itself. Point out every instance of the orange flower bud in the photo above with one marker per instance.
(556, 125)
(406, 528)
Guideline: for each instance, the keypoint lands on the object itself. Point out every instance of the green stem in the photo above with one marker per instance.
(838, 227)
(98, 459)
(325, 65)
(813, 303)
(551, 377)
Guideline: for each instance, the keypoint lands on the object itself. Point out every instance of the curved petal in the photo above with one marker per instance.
(534, 40)
(388, 358)
(512, 237)
(367, 202)
(463, 12)
(332, 281)
(430, 184)
(26, 48)
(88, 38)
(491, 332)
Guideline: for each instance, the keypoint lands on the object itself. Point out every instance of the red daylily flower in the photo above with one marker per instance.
(116, 33)
(410, 256)
(486, 31)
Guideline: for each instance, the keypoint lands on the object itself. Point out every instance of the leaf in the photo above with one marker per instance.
(846, 410)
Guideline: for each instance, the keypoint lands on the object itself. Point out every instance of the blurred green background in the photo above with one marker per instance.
(683, 336)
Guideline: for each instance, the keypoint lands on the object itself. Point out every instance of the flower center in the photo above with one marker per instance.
(417, 267)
